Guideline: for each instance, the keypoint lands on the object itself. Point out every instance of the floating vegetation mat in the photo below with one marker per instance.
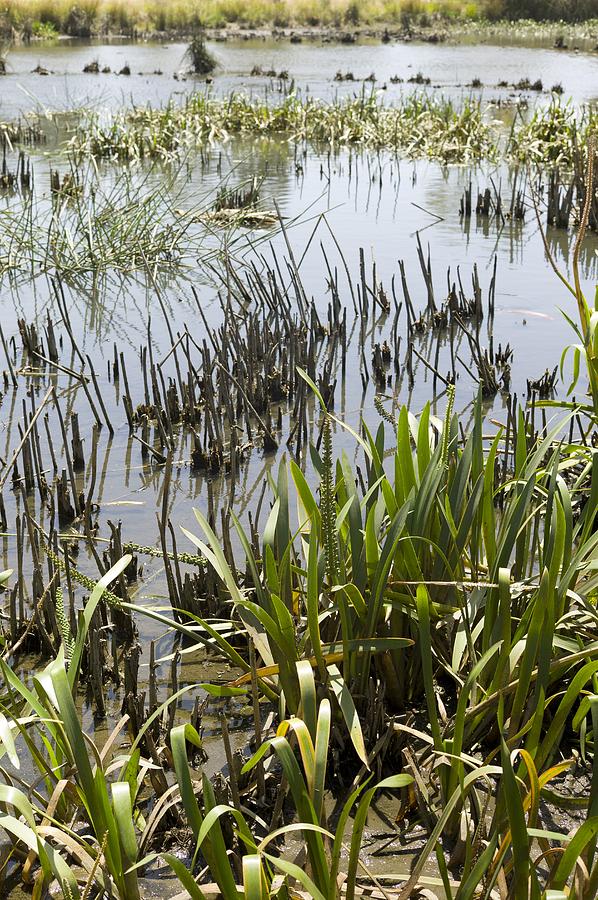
(239, 207)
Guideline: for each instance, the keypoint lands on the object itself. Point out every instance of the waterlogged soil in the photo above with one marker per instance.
(373, 202)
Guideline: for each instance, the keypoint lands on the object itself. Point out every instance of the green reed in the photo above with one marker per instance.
(417, 125)
(445, 565)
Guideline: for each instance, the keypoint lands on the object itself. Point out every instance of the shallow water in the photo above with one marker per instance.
(374, 202)
(311, 66)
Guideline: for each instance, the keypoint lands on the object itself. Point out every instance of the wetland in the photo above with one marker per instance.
(298, 468)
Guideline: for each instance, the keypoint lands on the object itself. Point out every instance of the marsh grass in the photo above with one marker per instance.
(131, 16)
(121, 227)
(469, 562)
(487, 579)
(555, 135)
(417, 125)
(473, 562)
(199, 57)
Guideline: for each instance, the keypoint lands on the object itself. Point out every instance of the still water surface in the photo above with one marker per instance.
(312, 67)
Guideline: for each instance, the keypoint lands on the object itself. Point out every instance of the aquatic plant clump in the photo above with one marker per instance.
(420, 126)
(555, 135)
(199, 57)
(122, 228)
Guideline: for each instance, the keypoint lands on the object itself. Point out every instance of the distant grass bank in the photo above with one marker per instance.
(84, 18)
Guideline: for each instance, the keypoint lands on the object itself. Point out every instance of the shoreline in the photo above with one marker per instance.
(560, 35)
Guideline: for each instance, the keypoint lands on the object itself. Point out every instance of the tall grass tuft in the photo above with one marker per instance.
(418, 125)
(199, 57)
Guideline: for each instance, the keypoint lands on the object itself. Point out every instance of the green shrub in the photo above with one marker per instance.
(45, 31)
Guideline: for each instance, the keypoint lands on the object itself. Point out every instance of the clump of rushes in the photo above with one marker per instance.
(434, 578)
(417, 126)
(201, 60)
(86, 232)
(554, 134)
